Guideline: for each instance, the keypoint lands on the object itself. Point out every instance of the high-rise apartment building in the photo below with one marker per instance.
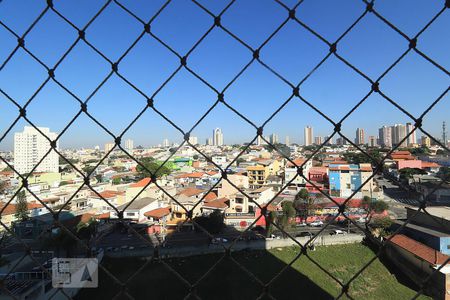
(209, 142)
(274, 138)
(193, 140)
(217, 137)
(318, 140)
(426, 141)
(385, 136)
(109, 147)
(30, 146)
(287, 141)
(373, 141)
(259, 140)
(398, 134)
(360, 139)
(165, 143)
(411, 138)
(129, 144)
(308, 136)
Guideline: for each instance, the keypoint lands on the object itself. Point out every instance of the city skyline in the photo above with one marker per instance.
(388, 136)
(256, 94)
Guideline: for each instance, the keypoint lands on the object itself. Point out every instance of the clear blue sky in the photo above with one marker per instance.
(372, 46)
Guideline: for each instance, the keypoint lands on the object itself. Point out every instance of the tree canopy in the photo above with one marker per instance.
(21, 207)
(213, 223)
(153, 167)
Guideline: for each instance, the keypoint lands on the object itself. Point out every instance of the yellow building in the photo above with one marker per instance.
(258, 173)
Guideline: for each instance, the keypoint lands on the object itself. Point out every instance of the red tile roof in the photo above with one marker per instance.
(158, 213)
(189, 192)
(218, 203)
(210, 196)
(297, 161)
(103, 216)
(426, 253)
(10, 209)
(191, 175)
(426, 164)
(108, 194)
(141, 183)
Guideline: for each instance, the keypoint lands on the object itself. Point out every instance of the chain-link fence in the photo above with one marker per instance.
(150, 103)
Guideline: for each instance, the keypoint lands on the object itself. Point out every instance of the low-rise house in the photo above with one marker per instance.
(294, 181)
(419, 261)
(136, 209)
(8, 212)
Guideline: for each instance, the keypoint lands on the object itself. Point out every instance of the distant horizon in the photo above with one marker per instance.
(202, 140)
(334, 88)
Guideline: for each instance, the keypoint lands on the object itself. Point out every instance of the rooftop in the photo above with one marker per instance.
(420, 250)
(137, 204)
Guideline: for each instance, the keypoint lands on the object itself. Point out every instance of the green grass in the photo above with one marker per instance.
(303, 279)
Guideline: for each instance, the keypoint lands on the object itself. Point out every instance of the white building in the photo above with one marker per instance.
(308, 136)
(274, 139)
(30, 146)
(217, 137)
(360, 138)
(193, 140)
(129, 144)
(385, 136)
(109, 147)
(412, 140)
(398, 134)
(165, 143)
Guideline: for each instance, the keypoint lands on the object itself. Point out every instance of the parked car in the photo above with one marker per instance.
(304, 233)
(301, 224)
(337, 231)
(219, 240)
(316, 223)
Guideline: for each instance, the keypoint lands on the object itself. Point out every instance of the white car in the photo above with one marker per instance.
(316, 224)
(337, 232)
(219, 240)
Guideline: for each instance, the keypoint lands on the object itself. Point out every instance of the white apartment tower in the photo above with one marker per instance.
(129, 145)
(398, 134)
(385, 136)
(217, 137)
(360, 139)
(274, 139)
(318, 140)
(308, 136)
(165, 143)
(193, 140)
(30, 146)
(412, 138)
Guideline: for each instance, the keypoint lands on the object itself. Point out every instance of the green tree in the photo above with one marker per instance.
(88, 169)
(444, 173)
(371, 207)
(3, 186)
(304, 203)
(116, 181)
(407, 173)
(270, 219)
(154, 168)
(441, 152)
(195, 156)
(7, 169)
(86, 230)
(21, 207)
(213, 223)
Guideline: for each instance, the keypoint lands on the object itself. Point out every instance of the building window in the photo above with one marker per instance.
(239, 200)
(238, 209)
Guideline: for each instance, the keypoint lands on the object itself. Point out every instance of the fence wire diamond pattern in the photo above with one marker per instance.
(150, 103)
